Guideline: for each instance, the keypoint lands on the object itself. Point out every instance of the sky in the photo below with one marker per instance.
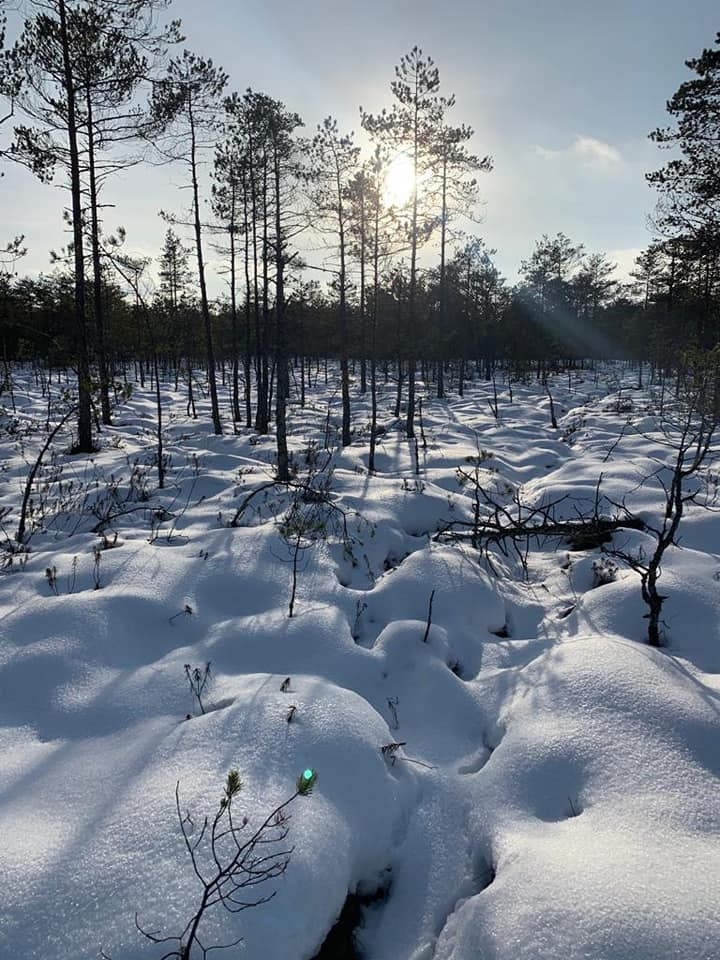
(562, 94)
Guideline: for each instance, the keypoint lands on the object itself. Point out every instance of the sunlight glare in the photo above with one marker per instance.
(398, 186)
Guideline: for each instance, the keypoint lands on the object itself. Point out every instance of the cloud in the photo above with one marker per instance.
(592, 153)
(596, 151)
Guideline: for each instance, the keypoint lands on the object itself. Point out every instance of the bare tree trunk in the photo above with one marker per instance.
(262, 413)
(97, 269)
(233, 311)
(344, 373)
(204, 305)
(442, 326)
(247, 364)
(85, 440)
(363, 305)
(281, 389)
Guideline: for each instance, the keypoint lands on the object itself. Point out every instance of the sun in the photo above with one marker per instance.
(399, 181)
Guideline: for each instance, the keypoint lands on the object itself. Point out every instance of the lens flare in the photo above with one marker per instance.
(399, 182)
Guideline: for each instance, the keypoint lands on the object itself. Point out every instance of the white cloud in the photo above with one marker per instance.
(592, 153)
(596, 151)
(547, 154)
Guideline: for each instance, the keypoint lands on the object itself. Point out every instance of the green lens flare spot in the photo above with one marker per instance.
(306, 781)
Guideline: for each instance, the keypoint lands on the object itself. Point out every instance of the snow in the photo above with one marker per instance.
(556, 793)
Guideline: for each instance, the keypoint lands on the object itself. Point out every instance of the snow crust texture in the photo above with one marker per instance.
(549, 787)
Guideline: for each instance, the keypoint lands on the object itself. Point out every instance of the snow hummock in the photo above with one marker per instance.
(555, 794)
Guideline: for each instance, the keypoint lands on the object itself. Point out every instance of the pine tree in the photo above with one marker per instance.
(259, 137)
(185, 104)
(50, 98)
(175, 277)
(690, 185)
(229, 204)
(548, 294)
(284, 170)
(77, 67)
(243, 154)
(548, 272)
(115, 44)
(454, 169)
(359, 204)
(334, 162)
(10, 76)
(592, 286)
(412, 128)
(372, 232)
(476, 291)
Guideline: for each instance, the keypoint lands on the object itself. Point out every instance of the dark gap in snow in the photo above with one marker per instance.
(393, 560)
(592, 535)
(212, 708)
(219, 704)
(477, 762)
(493, 737)
(341, 941)
(590, 540)
(574, 808)
(457, 668)
(484, 873)
(503, 632)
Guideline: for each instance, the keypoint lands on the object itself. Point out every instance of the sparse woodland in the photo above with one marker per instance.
(444, 544)
(328, 252)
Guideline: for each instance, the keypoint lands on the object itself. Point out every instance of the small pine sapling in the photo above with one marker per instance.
(198, 679)
(229, 867)
(299, 529)
(360, 608)
(185, 612)
(604, 571)
(393, 703)
(390, 753)
(97, 556)
(51, 577)
(72, 577)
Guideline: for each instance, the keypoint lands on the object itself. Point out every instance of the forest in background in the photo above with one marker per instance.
(372, 259)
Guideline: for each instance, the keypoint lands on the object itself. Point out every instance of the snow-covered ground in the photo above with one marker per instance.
(556, 793)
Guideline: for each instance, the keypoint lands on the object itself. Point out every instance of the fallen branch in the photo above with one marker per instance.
(495, 523)
(581, 534)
